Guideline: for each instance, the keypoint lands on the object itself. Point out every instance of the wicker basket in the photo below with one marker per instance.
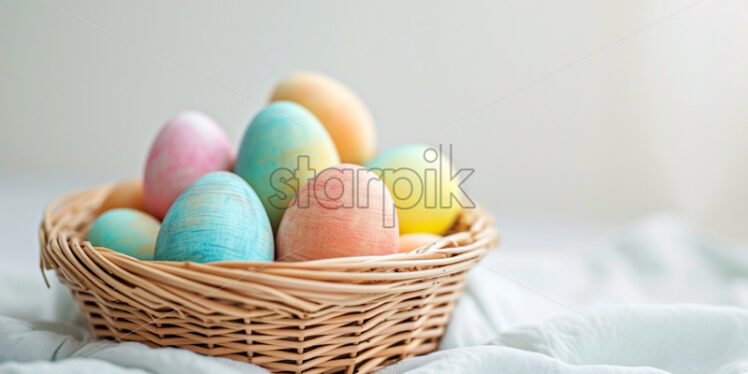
(353, 314)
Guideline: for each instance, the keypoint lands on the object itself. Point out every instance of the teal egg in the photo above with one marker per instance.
(127, 231)
(284, 146)
(217, 218)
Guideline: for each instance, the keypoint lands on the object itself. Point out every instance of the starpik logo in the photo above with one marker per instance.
(433, 184)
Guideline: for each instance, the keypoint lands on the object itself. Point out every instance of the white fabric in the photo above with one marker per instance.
(632, 303)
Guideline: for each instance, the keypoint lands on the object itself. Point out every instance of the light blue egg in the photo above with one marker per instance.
(217, 218)
(127, 231)
(282, 136)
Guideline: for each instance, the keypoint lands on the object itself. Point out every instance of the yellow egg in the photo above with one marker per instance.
(340, 110)
(127, 194)
(419, 179)
(409, 242)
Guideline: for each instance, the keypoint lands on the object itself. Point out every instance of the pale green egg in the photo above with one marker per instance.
(127, 231)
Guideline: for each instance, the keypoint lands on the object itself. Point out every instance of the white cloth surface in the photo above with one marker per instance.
(655, 298)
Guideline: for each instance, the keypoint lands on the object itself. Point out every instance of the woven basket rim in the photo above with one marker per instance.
(419, 254)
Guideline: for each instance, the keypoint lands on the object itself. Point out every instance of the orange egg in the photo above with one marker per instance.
(409, 242)
(345, 211)
(127, 194)
(341, 111)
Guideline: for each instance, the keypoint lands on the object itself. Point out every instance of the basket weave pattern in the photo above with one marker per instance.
(353, 314)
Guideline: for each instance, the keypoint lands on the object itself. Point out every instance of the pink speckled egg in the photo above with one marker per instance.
(345, 211)
(190, 145)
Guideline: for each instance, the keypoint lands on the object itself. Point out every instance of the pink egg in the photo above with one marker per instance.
(345, 211)
(190, 145)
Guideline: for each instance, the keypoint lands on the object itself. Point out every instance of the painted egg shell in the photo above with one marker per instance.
(340, 110)
(189, 146)
(345, 211)
(127, 231)
(283, 138)
(217, 218)
(411, 173)
(127, 194)
(409, 242)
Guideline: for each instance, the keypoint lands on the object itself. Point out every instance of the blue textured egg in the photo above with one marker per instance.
(284, 147)
(126, 231)
(217, 218)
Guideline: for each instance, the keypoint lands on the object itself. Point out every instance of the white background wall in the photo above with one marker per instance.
(581, 110)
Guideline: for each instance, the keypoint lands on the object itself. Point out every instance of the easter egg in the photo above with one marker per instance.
(283, 147)
(128, 194)
(127, 231)
(340, 110)
(217, 218)
(419, 178)
(189, 146)
(409, 242)
(345, 211)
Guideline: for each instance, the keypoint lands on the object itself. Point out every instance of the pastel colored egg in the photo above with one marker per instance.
(419, 178)
(340, 110)
(127, 231)
(283, 147)
(345, 211)
(127, 194)
(409, 242)
(189, 146)
(217, 218)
